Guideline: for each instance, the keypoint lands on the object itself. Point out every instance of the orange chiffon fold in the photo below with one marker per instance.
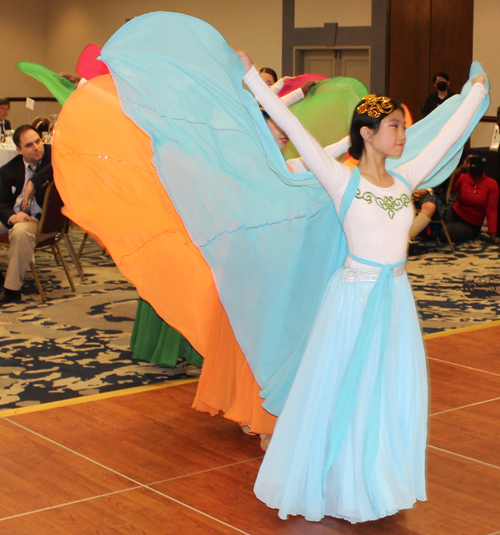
(110, 188)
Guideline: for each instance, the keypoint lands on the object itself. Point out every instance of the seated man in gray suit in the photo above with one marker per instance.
(30, 170)
(4, 111)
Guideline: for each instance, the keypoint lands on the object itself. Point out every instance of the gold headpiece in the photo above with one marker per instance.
(375, 106)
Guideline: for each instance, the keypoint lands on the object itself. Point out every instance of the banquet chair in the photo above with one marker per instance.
(71, 249)
(84, 241)
(41, 124)
(50, 232)
(441, 220)
(82, 245)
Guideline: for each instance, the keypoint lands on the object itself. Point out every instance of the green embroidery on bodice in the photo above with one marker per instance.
(389, 204)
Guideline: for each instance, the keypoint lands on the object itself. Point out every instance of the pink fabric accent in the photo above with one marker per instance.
(299, 81)
(88, 65)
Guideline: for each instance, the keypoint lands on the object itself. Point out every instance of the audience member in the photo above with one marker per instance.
(23, 182)
(4, 111)
(477, 200)
(441, 82)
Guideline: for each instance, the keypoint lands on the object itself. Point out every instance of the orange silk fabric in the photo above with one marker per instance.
(110, 188)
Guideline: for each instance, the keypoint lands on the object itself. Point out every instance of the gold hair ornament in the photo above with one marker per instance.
(375, 106)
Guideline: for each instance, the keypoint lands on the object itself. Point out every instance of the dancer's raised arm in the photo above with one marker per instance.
(421, 167)
(329, 172)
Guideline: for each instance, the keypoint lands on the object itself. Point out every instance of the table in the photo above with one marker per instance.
(6, 154)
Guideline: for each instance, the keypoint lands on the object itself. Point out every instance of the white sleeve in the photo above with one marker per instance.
(278, 86)
(292, 97)
(334, 151)
(416, 170)
(337, 149)
(332, 175)
(298, 165)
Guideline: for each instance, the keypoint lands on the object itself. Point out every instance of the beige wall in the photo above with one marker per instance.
(314, 13)
(23, 39)
(486, 21)
(253, 26)
(54, 32)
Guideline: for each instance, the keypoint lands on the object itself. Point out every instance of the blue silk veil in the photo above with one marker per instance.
(272, 239)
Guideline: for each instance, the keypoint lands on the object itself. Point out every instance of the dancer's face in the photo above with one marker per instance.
(268, 78)
(279, 136)
(390, 138)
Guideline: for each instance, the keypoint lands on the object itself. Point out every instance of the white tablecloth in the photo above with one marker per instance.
(6, 154)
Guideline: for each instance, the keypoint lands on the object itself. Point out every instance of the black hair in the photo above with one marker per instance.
(270, 71)
(16, 138)
(363, 119)
(264, 113)
(441, 75)
(4, 102)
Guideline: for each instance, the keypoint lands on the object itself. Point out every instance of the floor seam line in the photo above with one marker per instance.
(70, 503)
(200, 512)
(465, 406)
(463, 366)
(75, 452)
(203, 471)
(465, 457)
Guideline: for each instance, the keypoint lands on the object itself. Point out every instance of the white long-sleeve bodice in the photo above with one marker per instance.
(378, 221)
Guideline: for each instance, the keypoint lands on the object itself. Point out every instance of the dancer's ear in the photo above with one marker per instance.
(366, 133)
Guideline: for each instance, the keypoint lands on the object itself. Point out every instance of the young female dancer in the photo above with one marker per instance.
(275, 250)
(350, 441)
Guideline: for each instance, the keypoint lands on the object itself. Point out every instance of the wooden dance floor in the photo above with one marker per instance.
(146, 463)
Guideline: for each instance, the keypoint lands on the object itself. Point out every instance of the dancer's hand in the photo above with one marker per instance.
(308, 86)
(247, 62)
(480, 79)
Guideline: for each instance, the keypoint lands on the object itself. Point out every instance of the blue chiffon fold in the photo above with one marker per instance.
(272, 239)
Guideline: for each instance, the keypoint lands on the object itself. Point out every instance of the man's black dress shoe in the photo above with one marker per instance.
(9, 296)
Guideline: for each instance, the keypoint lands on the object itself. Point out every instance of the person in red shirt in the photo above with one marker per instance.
(477, 198)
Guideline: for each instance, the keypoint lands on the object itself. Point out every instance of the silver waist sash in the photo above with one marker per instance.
(369, 274)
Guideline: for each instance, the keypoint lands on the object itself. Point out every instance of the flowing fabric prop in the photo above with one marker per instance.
(88, 65)
(327, 110)
(110, 188)
(226, 384)
(423, 132)
(272, 240)
(298, 81)
(408, 116)
(220, 165)
(60, 87)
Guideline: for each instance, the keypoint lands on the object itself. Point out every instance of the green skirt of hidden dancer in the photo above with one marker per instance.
(156, 342)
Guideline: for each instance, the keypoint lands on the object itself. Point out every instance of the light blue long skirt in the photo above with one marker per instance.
(290, 478)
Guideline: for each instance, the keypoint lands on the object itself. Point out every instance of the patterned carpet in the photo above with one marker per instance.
(78, 344)
(75, 344)
(455, 290)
